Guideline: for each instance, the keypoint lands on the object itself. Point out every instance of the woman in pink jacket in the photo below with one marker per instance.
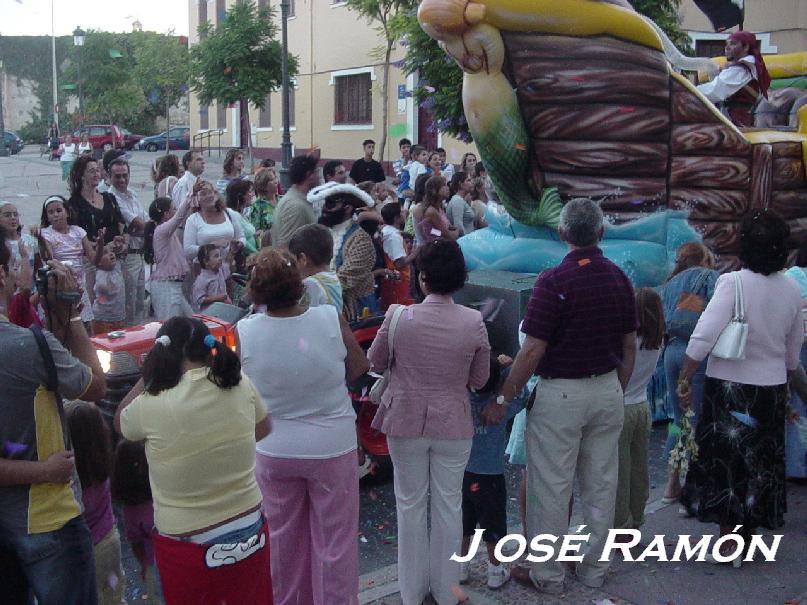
(440, 348)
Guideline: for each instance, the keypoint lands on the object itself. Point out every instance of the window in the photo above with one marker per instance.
(204, 122)
(354, 99)
(265, 113)
(292, 11)
(710, 48)
(221, 115)
(97, 131)
(221, 11)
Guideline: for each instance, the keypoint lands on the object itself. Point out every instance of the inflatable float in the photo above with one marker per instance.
(576, 98)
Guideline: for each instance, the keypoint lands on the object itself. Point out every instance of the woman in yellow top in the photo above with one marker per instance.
(200, 418)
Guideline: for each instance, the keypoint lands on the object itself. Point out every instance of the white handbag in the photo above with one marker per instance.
(380, 386)
(731, 343)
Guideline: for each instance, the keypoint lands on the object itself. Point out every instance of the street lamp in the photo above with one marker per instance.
(3, 150)
(78, 41)
(285, 145)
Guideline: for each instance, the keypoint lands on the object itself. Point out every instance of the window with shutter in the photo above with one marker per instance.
(353, 99)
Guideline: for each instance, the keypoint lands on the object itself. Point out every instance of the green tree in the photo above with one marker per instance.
(439, 89)
(162, 69)
(239, 59)
(110, 92)
(383, 13)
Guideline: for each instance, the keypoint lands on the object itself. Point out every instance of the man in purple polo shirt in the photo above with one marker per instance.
(580, 328)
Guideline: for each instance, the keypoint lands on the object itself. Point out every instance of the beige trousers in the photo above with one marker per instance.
(633, 485)
(109, 578)
(428, 484)
(573, 426)
(134, 279)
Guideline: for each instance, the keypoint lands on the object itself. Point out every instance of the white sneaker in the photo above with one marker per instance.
(497, 576)
(463, 573)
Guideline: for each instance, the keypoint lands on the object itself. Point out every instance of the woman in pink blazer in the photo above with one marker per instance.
(440, 348)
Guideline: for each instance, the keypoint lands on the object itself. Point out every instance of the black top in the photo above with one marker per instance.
(363, 170)
(91, 219)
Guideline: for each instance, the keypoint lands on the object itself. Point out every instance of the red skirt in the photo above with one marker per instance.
(215, 574)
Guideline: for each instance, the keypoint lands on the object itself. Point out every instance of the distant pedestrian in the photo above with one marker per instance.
(194, 164)
(68, 153)
(232, 169)
(366, 168)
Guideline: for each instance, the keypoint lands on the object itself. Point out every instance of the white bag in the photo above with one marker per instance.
(380, 386)
(731, 343)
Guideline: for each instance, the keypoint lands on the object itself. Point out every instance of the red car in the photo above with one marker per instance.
(102, 136)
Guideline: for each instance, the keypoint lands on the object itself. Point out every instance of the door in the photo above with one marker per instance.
(427, 131)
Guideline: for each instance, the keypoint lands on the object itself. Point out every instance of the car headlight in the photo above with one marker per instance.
(105, 359)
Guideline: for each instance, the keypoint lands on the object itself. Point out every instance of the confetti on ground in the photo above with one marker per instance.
(603, 602)
(474, 487)
(461, 598)
(793, 602)
(521, 147)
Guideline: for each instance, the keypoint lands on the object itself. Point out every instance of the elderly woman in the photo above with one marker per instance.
(426, 417)
(212, 223)
(739, 475)
(687, 291)
(298, 359)
(200, 419)
(261, 212)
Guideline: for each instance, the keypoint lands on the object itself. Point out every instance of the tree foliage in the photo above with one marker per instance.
(383, 13)
(238, 58)
(439, 89)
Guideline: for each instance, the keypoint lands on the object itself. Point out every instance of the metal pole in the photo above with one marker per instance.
(285, 145)
(80, 92)
(53, 61)
(3, 150)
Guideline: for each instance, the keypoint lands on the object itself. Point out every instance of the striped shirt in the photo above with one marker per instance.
(582, 308)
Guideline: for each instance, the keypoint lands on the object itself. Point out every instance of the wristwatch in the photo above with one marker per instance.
(500, 400)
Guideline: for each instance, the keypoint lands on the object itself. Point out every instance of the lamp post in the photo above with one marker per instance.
(285, 145)
(78, 41)
(3, 149)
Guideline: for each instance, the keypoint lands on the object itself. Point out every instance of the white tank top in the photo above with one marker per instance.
(298, 366)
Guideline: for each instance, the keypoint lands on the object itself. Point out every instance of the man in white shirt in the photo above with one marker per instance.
(194, 164)
(742, 80)
(134, 270)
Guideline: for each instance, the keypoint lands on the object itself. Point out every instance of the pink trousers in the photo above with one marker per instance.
(313, 510)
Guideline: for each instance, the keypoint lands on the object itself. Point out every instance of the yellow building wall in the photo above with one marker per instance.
(325, 38)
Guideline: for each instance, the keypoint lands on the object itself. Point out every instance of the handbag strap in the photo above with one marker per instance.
(393, 324)
(739, 303)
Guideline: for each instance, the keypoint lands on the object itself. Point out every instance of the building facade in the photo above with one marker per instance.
(336, 99)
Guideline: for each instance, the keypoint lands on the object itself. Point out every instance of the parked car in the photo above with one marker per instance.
(102, 136)
(14, 144)
(129, 139)
(179, 137)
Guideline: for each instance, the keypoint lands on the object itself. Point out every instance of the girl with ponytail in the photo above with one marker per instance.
(164, 252)
(200, 419)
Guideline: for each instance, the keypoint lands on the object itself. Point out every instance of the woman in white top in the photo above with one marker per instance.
(68, 151)
(212, 223)
(306, 468)
(84, 145)
(739, 475)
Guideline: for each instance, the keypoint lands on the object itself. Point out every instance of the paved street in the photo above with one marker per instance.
(27, 180)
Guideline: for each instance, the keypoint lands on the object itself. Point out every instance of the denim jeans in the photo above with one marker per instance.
(795, 452)
(58, 565)
(673, 359)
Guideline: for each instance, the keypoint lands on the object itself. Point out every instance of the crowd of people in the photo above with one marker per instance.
(237, 470)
